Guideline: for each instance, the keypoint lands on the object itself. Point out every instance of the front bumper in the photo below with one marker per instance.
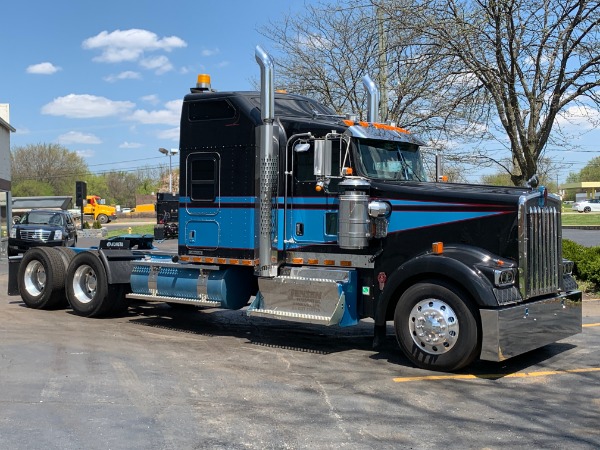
(514, 330)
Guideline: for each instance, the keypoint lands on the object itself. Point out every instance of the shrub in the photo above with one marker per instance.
(96, 225)
(86, 225)
(586, 259)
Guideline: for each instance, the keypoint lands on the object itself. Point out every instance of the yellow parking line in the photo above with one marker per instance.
(498, 375)
(591, 325)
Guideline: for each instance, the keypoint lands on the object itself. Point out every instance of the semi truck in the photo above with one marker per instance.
(299, 214)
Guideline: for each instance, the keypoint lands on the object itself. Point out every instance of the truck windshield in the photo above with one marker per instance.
(389, 160)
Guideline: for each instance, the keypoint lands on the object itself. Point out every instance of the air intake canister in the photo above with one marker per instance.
(353, 216)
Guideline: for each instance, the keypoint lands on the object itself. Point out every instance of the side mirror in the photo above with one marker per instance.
(322, 164)
(302, 147)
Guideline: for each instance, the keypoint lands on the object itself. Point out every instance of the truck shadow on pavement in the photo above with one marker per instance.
(308, 338)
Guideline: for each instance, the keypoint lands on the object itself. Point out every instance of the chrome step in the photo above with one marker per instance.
(183, 301)
(305, 295)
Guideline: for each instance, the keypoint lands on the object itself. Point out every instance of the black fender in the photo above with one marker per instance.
(14, 262)
(454, 265)
(118, 264)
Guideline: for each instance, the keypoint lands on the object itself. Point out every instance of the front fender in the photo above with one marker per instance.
(445, 267)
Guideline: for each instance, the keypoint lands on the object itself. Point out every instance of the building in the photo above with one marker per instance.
(5, 170)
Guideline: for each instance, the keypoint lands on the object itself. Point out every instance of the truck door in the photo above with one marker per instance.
(311, 215)
(202, 201)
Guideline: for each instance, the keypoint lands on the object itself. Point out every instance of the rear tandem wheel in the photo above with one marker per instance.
(87, 287)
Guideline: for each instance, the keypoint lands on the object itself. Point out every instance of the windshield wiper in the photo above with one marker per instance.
(406, 168)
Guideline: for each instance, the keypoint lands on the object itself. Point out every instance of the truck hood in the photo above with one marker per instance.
(450, 192)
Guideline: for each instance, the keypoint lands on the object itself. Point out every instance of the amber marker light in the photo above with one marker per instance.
(437, 248)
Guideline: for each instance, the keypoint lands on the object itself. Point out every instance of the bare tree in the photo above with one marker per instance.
(327, 50)
(534, 60)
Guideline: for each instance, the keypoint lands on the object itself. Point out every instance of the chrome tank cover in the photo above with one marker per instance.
(353, 218)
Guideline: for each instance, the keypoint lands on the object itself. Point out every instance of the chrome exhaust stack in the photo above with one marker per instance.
(268, 167)
(372, 99)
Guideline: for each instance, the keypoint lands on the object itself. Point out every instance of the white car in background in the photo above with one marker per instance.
(592, 204)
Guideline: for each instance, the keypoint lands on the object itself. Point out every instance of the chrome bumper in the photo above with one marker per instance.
(518, 329)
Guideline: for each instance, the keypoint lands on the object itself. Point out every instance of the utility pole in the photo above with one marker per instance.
(382, 44)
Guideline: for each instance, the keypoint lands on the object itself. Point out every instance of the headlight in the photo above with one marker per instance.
(13, 232)
(568, 267)
(57, 235)
(504, 277)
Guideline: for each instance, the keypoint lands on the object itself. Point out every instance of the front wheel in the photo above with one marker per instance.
(587, 209)
(102, 218)
(436, 326)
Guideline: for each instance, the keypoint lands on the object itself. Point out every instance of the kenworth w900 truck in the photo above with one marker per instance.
(315, 218)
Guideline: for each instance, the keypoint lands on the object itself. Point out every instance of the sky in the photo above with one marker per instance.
(106, 78)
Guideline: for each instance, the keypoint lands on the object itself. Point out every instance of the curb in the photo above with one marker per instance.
(92, 233)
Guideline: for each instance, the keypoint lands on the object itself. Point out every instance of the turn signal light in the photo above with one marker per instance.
(437, 248)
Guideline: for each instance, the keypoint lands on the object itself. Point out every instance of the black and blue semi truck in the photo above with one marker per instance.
(298, 214)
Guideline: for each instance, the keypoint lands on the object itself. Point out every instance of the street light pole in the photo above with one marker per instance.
(169, 153)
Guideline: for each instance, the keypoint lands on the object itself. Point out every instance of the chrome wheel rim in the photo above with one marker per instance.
(35, 278)
(85, 283)
(433, 326)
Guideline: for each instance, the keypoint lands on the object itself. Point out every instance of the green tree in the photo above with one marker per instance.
(591, 172)
(31, 188)
(50, 165)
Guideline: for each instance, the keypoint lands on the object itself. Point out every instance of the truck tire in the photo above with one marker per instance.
(66, 255)
(436, 326)
(41, 278)
(102, 218)
(87, 286)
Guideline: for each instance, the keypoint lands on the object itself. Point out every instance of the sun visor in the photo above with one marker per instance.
(383, 132)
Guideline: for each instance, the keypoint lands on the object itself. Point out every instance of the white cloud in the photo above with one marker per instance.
(210, 52)
(130, 145)
(88, 153)
(582, 117)
(86, 106)
(45, 68)
(223, 64)
(160, 64)
(170, 115)
(127, 75)
(76, 137)
(152, 99)
(129, 45)
(170, 134)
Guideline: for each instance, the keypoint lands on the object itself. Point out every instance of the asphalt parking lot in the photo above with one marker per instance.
(163, 378)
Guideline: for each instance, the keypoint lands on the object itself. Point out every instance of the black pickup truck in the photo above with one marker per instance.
(42, 228)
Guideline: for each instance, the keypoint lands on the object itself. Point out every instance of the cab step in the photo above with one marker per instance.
(183, 301)
(308, 295)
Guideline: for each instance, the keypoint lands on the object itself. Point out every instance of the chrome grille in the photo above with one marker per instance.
(35, 235)
(540, 245)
